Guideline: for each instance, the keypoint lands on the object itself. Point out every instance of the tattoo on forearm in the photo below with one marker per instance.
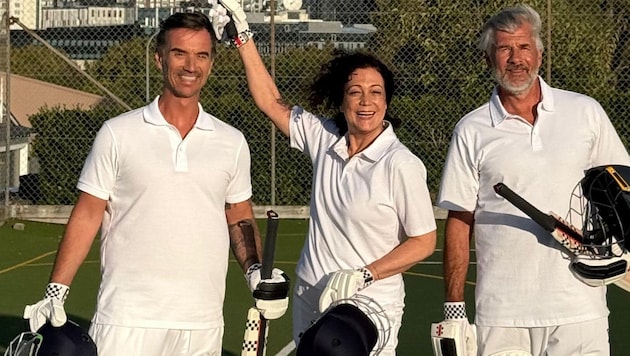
(243, 242)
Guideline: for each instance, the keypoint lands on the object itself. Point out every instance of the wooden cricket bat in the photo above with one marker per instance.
(566, 234)
(256, 327)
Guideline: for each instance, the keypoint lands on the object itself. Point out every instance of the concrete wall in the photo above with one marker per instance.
(58, 214)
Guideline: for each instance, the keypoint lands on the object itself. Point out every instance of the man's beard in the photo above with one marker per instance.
(515, 88)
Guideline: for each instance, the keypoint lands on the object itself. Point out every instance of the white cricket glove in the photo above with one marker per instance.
(219, 18)
(238, 30)
(454, 336)
(49, 308)
(271, 295)
(344, 284)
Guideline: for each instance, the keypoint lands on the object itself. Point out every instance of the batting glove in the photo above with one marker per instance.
(270, 295)
(454, 333)
(49, 308)
(219, 18)
(238, 31)
(344, 284)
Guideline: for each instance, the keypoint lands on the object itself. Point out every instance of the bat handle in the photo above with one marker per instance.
(230, 28)
(270, 244)
(542, 219)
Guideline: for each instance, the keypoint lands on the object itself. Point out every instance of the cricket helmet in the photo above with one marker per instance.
(67, 340)
(601, 200)
(604, 195)
(356, 326)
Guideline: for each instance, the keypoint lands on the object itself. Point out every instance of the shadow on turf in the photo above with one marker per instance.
(11, 326)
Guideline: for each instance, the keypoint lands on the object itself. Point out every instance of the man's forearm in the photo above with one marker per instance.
(456, 254)
(243, 241)
(82, 227)
(455, 271)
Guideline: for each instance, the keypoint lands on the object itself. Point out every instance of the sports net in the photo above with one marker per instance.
(73, 64)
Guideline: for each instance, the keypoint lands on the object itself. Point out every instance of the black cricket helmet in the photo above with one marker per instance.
(356, 326)
(604, 194)
(67, 340)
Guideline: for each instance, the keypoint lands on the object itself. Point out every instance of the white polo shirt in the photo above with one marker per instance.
(361, 207)
(523, 278)
(164, 237)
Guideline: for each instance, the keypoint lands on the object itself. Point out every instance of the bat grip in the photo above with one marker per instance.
(542, 219)
(230, 28)
(270, 244)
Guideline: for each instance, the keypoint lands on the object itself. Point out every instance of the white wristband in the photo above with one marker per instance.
(455, 310)
(367, 276)
(57, 291)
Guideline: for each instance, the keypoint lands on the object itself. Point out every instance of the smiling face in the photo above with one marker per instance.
(364, 102)
(515, 60)
(185, 61)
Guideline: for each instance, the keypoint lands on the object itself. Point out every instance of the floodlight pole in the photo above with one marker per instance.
(5, 111)
(272, 58)
(147, 97)
(548, 49)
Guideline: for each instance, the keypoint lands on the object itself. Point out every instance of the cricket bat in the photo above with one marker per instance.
(256, 327)
(566, 234)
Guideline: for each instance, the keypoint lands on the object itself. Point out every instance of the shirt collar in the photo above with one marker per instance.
(498, 112)
(375, 151)
(152, 115)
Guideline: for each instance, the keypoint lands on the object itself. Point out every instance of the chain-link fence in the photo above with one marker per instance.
(74, 64)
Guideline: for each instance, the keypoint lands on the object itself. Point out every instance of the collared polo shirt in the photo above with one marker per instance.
(523, 278)
(362, 207)
(164, 237)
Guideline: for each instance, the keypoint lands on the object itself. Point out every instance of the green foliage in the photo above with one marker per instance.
(36, 61)
(429, 44)
(227, 97)
(442, 75)
(426, 131)
(63, 139)
(121, 66)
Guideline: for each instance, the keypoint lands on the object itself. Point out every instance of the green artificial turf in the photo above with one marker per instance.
(26, 258)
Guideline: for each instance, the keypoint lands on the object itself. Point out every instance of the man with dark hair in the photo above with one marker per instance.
(169, 185)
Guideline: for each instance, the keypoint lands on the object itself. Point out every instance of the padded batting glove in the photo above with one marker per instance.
(49, 308)
(271, 295)
(455, 335)
(237, 30)
(344, 284)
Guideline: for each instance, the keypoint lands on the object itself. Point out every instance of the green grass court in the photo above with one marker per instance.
(26, 258)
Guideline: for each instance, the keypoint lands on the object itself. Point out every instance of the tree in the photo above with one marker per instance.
(64, 137)
(36, 61)
(122, 70)
(432, 47)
